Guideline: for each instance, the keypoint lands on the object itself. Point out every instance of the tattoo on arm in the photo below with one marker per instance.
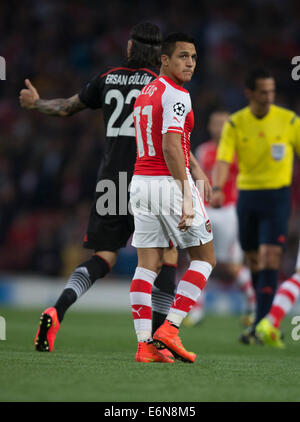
(60, 106)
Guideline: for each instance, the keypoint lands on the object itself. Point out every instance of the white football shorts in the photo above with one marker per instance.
(156, 203)
(224, 224)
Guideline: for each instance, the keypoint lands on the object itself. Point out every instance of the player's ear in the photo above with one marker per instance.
(165, 60)
(129, 47)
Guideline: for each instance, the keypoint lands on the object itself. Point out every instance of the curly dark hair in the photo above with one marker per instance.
(146, 45)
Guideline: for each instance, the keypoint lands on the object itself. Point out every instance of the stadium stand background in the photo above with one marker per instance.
(48, 165)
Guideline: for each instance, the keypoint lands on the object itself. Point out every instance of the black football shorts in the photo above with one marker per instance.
(108, 232)
(263, 217)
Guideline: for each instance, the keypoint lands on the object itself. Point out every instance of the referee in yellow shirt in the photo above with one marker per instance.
(264, 137)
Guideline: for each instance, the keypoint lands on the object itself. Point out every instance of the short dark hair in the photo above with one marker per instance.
(255, 74)
(146, 45)
(169, 43)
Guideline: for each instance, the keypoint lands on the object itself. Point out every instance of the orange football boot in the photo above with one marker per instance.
(147, 353)
(166, 352)
(167, 335)
(45, 336)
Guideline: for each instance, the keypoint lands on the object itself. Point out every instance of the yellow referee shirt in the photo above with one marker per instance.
(263, 146)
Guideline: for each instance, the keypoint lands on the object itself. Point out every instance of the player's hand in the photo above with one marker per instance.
(217, 199)
(187, 216)
(28, 96)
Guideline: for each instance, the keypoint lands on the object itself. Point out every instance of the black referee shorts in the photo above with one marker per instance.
(263, 217)
(108, 232)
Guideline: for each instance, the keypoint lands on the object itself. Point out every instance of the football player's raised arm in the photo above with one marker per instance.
(30, 99)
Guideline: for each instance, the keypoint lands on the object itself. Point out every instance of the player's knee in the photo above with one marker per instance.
(109, 257)
(159, 266)
(203, 253)
(170, 256)
(252, 261)
(232, 270)
(97, 267)
(269, 257)
(151, 266)
(213, 261)
(209, 259)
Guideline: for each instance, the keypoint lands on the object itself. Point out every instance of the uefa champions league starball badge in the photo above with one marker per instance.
(179, 109)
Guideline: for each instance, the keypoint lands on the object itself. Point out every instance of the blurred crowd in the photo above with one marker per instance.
(48, 165)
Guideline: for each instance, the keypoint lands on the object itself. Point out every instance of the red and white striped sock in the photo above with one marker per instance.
(284, 299)
(140, 298)
(189, 290)
(244, 281)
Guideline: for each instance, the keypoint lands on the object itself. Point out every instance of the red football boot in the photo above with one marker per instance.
(147, 353)
(167, 335)
(45, 336)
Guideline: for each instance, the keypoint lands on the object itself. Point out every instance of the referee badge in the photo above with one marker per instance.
(278, 151)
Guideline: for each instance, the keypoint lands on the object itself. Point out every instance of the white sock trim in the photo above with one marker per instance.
(202, 267)
(144, 336)
(145, 274)
(176, 316)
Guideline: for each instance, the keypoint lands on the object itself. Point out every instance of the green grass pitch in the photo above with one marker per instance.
(94, 360)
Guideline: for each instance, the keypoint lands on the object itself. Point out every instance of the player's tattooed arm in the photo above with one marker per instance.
(60, 106)
(30, 99)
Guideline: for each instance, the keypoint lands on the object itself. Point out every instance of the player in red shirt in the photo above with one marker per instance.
(166, 204)
(224, 223)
